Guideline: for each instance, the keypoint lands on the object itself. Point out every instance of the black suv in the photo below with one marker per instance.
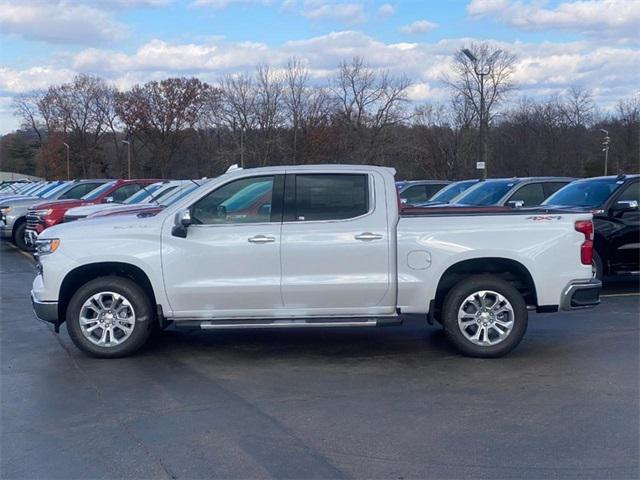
(614, 203)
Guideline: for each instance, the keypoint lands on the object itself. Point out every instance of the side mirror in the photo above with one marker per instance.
(625, 206)
(181, 223)
(108, 200)
(515, 203)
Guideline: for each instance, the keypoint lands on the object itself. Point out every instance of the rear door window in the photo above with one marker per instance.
(631, 193)
(416, 194)
(530, 195)
(79, 190)
(316, 197)
(552, 187)
(124, 192)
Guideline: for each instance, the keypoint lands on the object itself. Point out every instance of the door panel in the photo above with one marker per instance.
(625, 237)
(335, 245)
(229, 263)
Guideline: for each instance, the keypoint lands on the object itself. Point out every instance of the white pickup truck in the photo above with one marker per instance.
(311, 246)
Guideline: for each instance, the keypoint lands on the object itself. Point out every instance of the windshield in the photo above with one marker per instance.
(585, 193)
(54, 190)
(164, 193)
(450, 191)
(485, 193)
(30, 189)
(93, 194)
(143, 194)
(178, 194)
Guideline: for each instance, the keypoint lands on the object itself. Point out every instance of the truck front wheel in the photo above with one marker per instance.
(484, 316)
(109, 317)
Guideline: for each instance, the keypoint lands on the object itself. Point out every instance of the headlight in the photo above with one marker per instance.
(5, 210)
(46, 246)
(42, 213)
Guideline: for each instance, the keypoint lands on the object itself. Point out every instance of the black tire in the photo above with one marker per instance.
(454, 301)
(144, 316)
(597, 267)
(18, 237)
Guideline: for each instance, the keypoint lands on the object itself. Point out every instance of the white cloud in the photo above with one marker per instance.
(348, 13)
(33, 78)
(386, 10)
(419, 26)
(59, 22)
(615, 18)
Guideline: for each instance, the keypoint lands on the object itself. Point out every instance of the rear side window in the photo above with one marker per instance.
(416, 194)
(552, 187)
(80, 190)
(631, 193)
(327, 197)
(124, 192)
(530, 195)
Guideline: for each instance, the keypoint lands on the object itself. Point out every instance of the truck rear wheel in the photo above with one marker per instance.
(109, 317)
(484, 316)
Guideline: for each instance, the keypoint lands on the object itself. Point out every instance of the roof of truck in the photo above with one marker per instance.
(313, 168)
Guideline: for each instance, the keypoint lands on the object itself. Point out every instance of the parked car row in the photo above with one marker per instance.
(612, 200)
(26, 213)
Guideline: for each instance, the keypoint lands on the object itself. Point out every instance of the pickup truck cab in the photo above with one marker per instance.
(614, 202)
(311, 246)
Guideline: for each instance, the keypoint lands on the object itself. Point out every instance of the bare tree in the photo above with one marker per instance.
(482, 76)
(27, 108)
(368, 102)
(239, 106)
(296, 92)
(269, 110)
(577, 107)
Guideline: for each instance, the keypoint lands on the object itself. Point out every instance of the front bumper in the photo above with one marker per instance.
(581, 294)
(46, 311)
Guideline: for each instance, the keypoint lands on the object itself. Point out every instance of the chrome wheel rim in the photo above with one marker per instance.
(107, 319)
(486, 318)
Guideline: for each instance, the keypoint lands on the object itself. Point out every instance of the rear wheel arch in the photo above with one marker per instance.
(85, 273)
(507, 269)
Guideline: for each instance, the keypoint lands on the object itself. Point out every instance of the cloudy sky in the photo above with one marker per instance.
(594, 44)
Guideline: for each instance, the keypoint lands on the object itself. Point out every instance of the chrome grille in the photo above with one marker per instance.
(32, 221)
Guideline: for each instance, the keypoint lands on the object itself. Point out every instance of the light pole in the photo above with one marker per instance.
(68, 169)
(605, 148)
(128, 144)
(480, 74)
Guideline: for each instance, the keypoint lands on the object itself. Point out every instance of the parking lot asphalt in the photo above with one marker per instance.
(394, 402)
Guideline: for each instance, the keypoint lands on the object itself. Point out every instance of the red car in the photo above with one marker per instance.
(44, 215)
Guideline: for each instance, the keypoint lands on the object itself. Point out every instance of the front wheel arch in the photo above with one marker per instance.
(85, 273)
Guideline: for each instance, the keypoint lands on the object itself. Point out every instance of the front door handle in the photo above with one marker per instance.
(366, 236)
(261, 239)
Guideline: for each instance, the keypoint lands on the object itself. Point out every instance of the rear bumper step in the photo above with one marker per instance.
(286, 323)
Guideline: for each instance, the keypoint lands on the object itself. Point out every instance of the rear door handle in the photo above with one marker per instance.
(261, 239)
(368, 236)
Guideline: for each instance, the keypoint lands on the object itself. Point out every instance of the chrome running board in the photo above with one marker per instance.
(286, 323)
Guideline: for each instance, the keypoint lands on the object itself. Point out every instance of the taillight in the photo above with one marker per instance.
(586, 249)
